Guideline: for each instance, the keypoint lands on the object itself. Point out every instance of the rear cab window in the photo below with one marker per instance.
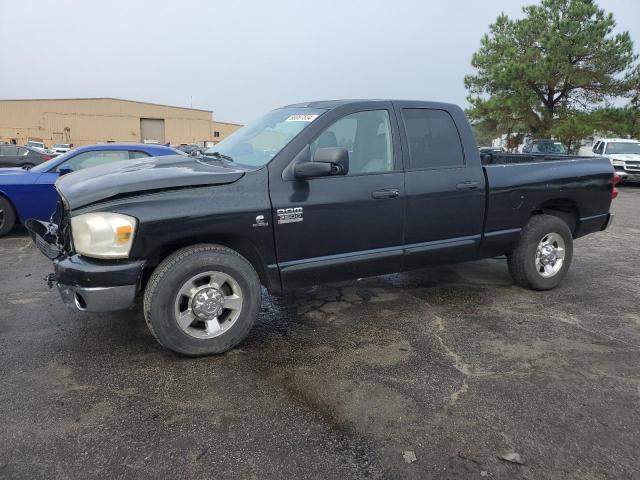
(599, 148)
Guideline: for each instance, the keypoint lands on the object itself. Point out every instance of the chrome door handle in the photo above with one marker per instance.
(467, 186)
(389, 193)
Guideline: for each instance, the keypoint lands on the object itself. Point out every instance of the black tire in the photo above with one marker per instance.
(27, 166)
(167, 279)
(7, 216)
(522, 261)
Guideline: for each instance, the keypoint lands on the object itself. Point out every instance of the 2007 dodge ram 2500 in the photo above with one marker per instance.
(311, 193)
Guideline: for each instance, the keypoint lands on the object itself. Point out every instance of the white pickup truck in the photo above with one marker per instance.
(623, 153)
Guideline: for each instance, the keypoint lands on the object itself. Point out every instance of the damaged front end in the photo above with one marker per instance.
(52, 238)
(84, 284)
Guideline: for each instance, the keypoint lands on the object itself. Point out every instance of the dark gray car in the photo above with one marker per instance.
(19, 156)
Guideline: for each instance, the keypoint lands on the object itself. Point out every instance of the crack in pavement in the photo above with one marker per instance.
(571, 320)
(458, 363)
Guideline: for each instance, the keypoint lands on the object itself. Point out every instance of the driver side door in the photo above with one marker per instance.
(344, 226)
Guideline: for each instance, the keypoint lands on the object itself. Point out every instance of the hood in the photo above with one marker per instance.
(143, 175)
(17, 176)
(623, 156)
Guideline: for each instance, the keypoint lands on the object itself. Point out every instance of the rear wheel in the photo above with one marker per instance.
(543, 255)
(28, 166)
(202, 300)
(7, 216)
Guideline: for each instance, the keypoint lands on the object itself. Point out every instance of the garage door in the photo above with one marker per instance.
(152, 129)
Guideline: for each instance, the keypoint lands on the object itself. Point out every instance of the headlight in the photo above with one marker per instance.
(617, 163)
(103, 234)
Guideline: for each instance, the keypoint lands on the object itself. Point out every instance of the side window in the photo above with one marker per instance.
(433, 139)
(367, 137)
(595, 147)
(21, 152)
(9, 151)
(600, 148)
(138, 154)
(92, 159)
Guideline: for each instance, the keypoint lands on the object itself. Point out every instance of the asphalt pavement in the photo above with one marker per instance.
(438, 373)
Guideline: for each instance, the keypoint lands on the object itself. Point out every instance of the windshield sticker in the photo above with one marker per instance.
(301, 118)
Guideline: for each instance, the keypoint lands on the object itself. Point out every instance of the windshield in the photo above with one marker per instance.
(623, 148)
(43, 167)
(257, 143)
(549, 147)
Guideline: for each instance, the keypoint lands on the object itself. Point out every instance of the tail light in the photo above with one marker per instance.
(47, 157)
(616, 181)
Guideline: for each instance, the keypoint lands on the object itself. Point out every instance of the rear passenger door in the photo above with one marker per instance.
(445, 193)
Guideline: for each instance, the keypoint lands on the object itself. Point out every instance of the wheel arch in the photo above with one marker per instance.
(564, 208)
(239, 244)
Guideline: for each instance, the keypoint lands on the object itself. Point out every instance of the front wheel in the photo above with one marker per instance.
(202, 300)
(543, 255)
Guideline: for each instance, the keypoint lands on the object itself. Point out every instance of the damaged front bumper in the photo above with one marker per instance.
(97, 285)
(98, 299)
(87, 284)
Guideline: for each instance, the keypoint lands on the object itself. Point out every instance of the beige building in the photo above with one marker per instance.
(82, 121)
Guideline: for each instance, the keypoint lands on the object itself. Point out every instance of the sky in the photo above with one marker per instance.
(242, 58)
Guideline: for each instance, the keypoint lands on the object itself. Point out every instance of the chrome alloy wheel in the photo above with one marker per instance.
(550, 255)
(208, 304)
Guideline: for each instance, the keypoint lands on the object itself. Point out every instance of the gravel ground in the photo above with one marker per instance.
(454, 364)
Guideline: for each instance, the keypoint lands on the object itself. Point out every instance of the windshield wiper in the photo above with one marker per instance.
(220, 155)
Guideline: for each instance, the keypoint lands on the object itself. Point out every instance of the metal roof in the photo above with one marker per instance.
(98, 98)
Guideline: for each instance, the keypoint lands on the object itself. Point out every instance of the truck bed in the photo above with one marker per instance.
(517, 185)
(510, 158)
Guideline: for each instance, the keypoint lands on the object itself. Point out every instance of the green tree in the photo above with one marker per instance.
(544, 73)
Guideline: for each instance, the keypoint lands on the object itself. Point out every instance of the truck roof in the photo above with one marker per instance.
(331, 104)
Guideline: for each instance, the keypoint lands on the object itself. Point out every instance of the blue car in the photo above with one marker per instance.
(30, 193)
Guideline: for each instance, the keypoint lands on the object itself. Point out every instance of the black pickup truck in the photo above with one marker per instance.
(311, 193)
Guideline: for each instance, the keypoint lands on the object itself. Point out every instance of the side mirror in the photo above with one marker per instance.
(326, 162)
(486, 158)
(64, 170)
